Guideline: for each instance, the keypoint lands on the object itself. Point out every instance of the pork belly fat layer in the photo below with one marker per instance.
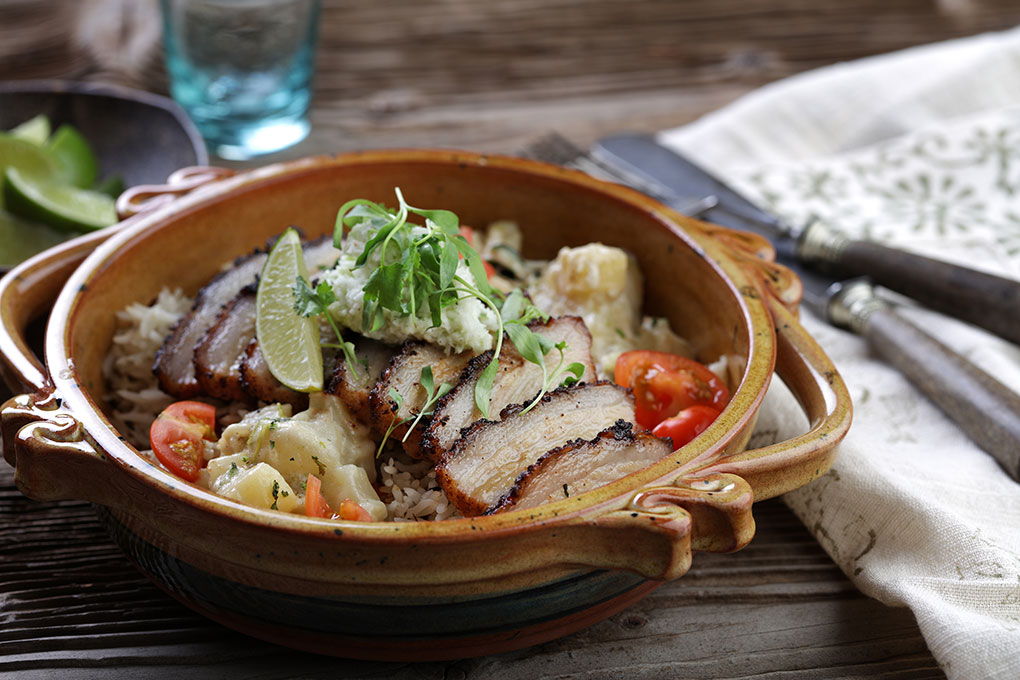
(219, 354)
(175, 365)
(485, 463)
(517, 381)
(581, 466)
(403, 375)
(355, 388)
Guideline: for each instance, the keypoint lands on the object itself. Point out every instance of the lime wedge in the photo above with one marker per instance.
(35, 130)
(21, 239)
(289, 341)
(75, 155)
(32, 160)
(58, 205)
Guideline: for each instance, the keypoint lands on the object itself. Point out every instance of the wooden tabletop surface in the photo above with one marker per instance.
(492, 76)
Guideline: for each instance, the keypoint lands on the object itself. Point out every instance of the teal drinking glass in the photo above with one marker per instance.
(242, 69)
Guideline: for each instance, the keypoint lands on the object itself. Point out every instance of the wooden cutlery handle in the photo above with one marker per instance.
(984, 408)
(985, 300)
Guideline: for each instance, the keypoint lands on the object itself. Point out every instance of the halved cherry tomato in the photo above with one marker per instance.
(177, 437)
(315, 504)
(686, 425)
(665, 384)
(469, 235)
(350, 510)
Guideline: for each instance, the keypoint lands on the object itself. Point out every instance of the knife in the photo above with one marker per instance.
(983, 407)
(985, 300)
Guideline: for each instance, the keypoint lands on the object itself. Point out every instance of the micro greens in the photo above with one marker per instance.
(432, 395)
(310, 301)
(417, 275)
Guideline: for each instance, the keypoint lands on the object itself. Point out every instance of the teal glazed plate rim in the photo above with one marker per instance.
(414, 590)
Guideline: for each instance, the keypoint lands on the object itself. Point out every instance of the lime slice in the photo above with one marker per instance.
(35, 130)
(75, 155)
(58, 205)
(21, 239)
(29, 158)
(289, 341)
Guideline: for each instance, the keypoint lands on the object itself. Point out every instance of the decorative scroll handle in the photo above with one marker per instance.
(657, 531)
(52, 456)
(820, 391)
(146, 197)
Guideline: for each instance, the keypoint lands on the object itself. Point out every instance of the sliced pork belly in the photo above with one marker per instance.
(581, 466)
(517, 382)
(260, 385)
(174, 366)
(175, 360)
(488, 459)
(355, 388)
(404, 376)
(219, 354)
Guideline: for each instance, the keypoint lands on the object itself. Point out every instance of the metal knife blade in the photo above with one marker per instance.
(989, 301)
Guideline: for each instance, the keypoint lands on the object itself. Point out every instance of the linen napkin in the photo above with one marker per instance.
(919, 149)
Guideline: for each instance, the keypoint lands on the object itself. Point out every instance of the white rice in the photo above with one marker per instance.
(134, 395)
(410, 491)
(408, 487)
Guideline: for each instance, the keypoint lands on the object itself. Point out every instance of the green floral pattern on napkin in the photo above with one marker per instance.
(952, 192)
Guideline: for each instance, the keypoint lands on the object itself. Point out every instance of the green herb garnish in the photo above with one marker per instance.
(432, 395)
(322, 468)
(310, 301)
(417, 275)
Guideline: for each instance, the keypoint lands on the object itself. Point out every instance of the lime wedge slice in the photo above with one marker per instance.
(31, 159)
(75, 155)
(35, 130)
(21, 239)
(58, 205)
(289, 341)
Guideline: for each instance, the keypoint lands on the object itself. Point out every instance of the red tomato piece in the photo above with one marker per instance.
(665, 384)
(178, 434)
(350, 510)
(686, 425)
(469, 235)
(315, 504)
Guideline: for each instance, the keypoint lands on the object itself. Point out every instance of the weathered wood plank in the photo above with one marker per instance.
(71, 601)
(491, 76)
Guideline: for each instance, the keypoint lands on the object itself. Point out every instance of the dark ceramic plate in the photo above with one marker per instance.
(138, 135)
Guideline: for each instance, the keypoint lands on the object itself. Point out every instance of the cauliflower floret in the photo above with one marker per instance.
(273, 447)
(603, 285)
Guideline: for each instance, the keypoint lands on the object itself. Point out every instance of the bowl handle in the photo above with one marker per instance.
(708, 505)
(819, 389)
(147, 197)
(53, 457)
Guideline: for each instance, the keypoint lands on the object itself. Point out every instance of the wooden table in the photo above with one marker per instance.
(491, 76)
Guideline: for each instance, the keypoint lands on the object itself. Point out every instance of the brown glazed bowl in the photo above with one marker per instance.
(427, 590)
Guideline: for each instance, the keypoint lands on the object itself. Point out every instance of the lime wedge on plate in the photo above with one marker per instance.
(21, 239)
(59, 205)
(35, 130)
(76, 156)
(289, 341)
(29, 158)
